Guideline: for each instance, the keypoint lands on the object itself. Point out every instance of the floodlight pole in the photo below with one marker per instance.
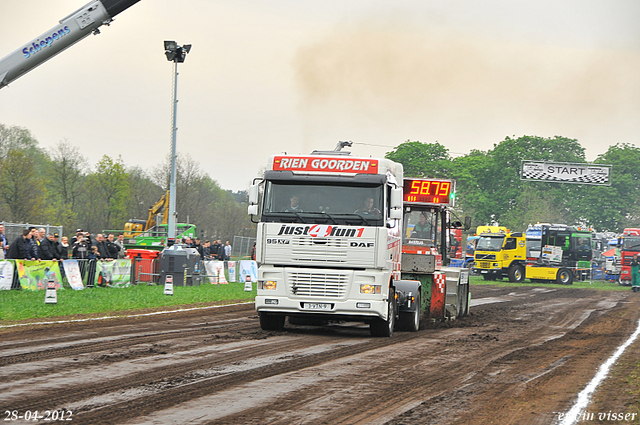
(174, 54)
(171, 236)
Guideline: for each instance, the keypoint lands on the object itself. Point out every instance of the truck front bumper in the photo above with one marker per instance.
(357, 310)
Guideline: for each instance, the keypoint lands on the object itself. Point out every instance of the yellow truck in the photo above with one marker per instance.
(500, 253)
(565, 255)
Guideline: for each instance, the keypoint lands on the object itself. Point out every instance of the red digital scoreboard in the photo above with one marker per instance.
(428, 191)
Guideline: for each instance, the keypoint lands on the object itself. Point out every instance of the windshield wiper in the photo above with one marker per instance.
(322, 213)
(353, 215)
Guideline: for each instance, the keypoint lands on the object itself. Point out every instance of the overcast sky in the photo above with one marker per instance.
(266, 77)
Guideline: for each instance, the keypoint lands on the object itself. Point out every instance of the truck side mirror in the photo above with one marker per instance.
(395, 213)
(467, 223)
(252, 209)
(253, 195)
(396, 198)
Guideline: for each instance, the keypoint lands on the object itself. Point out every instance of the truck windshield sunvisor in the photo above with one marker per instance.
(288, 177)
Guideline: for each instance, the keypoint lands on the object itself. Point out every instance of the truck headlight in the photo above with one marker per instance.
(269, 285)
(369, 289)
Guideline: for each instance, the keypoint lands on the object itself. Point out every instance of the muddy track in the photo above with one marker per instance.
(521, 355)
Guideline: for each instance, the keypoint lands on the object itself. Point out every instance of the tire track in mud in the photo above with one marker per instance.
(440, 374)
(53, 347)
(311, 375)
(148, 404)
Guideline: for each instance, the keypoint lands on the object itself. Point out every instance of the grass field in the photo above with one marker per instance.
(18, 305)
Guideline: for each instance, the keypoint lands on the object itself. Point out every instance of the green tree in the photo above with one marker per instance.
(66, 171)
(422, 159)
(144, 194)
(21, 188)
(109, 192)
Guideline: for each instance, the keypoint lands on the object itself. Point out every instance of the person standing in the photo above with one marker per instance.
(4, 246)
(120, 242)
(80, 248)
(18, 250)
(32, 246)
(635, 274)
(227, 250)
(47, 250)
(198, 246)
(103, 251)
(112, 248)
(63, 247)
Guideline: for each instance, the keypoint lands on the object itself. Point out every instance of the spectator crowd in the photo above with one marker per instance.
(209, 250)
(35, 244)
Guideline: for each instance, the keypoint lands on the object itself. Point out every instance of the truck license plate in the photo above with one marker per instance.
(317, 306)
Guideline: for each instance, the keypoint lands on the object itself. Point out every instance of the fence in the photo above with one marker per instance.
(13, 230)
(109, 273)
(242, 246)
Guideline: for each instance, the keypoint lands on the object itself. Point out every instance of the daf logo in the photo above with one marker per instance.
(361, 244)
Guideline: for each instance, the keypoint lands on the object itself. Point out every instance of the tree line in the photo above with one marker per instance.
(57, 186)
(490, 191)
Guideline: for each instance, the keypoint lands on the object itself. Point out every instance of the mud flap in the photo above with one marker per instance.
(438, 295)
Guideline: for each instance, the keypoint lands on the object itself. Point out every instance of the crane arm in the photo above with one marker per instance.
(158, 208)
(69, 31)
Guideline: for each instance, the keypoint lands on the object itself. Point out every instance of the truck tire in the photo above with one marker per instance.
(516, 273)
(384, 328)
(410, 321)
(564, 277)
(271, 322)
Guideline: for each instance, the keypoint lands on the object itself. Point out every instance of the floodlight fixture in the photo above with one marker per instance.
(174, 52)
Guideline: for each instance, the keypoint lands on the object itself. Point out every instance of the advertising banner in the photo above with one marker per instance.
(231, 265)
(34, 275)
(565, 172)
(116, 273)
(72, 272)
(248, 268)
(6, 274)
(215, 272)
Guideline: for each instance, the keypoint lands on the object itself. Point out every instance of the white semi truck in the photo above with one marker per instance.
(329, 242)
(70, 30)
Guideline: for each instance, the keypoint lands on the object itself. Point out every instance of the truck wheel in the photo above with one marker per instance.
(516, 273)
(410, 321)
(271, 322)
(379, 327)
(565, 277)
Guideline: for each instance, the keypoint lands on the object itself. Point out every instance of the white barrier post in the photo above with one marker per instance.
(168, 285)
(51, 295)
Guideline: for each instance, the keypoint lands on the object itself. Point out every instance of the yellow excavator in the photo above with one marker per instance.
(135, 227)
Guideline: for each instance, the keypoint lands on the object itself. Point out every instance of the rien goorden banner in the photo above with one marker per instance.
(564, 172)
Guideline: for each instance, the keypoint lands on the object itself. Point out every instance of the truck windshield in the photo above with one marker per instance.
(323, 203)
(420, 228)
(631, 243)
(489, 243)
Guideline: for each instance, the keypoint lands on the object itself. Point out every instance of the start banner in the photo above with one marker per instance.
(565, 172)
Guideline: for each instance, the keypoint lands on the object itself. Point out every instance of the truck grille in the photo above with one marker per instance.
(306, 284)
(485, 257)
(484, 264)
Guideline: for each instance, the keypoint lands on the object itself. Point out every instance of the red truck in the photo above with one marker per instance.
(629, 245)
